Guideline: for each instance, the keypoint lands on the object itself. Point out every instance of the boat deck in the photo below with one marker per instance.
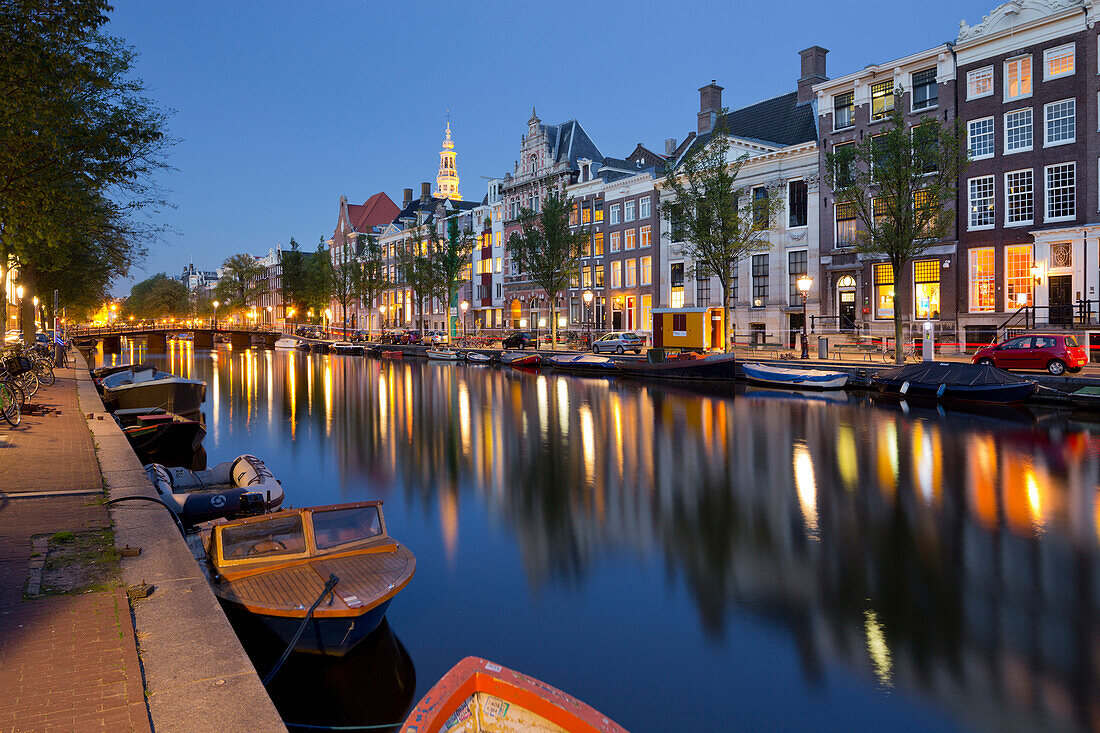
(366, 579)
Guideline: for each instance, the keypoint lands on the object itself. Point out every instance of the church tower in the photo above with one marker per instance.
(447, 181)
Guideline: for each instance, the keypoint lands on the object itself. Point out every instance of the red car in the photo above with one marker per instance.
(1057, 353)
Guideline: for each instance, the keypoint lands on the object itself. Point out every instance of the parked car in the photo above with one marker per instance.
(618, 342)
(519, 340)
(412, 336)
(1055, 352)
(436, 337)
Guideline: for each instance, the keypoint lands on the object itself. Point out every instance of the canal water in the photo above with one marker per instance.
(688, 559)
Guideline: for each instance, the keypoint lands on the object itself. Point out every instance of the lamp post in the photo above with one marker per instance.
(216, 304)
(19, 294)
(382, 311)
(328, 319)
(464, 306)
(588, 316)
(804, 283)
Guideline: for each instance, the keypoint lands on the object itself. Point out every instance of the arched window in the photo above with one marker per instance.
(846, 282)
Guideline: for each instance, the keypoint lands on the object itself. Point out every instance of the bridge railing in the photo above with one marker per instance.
(118, 329)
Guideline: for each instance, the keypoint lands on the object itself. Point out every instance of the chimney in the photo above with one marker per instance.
(408, 198)
(425, 192)
(813, 72)
(670, 146)
(710, 103)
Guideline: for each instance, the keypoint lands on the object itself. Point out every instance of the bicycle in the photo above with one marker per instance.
(908, 353)
(11, 405)
(19, 370)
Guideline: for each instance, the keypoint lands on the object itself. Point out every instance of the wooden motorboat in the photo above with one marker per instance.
(286, 343)
(149, 387)
(686, 365)
(954, 381)
(519, 359)
(275, 567)
(478, 695)
(393, 354)
(159, 436)
(444, 355)
(242, 487)
(477, 357)
(346, 347)
(581, 364)
(777, 376)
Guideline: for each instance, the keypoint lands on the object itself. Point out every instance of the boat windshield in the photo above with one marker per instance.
(341, 526)
(264, 539)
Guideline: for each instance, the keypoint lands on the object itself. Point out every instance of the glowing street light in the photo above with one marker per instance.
(216, 304)
(463, 306)
(588, 319)
(804, 283)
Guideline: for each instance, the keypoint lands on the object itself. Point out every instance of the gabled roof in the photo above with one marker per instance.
(428, 207)
(776, 122)
(569, 142)
(377, 211)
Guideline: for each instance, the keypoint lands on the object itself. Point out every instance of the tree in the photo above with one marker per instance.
(342, 281)
(720, 222)
(369, 277)
(547, 251)
(242, 281)
(450, 258)
(901, 184)
(416, 267)
(157, 297)
(79, 146)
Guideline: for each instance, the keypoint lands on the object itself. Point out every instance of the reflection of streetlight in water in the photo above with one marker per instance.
(806, 487)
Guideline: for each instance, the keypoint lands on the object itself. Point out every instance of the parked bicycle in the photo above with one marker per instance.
(909, 353)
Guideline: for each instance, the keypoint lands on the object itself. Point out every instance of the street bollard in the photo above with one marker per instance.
(928, 343)
(822, 347)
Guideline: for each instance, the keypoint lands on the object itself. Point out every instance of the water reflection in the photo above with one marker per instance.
(948, 559)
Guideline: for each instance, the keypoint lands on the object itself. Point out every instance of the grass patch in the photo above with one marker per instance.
(80, 562)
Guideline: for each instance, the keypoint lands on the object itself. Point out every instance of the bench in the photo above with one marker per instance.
(867, 351)
(754, 346)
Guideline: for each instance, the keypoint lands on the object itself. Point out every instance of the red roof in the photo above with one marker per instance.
(378, 210)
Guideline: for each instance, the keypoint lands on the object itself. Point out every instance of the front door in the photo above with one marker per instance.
(796, 330)
(1061, 303)
(616, 320)
(630, 314)
(847, 310)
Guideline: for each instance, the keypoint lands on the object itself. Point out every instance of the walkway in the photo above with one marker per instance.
(67, 662)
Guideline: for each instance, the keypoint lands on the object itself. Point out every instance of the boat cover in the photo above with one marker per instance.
(954, 374)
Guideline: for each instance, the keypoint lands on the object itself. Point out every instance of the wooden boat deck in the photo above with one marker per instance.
(367, 578)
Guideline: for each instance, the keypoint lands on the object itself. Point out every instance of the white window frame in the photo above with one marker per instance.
(1046, 192)
(1046, 122)
(993, 132)
(1006, 136)
(787, 279)
(971, 75)
(912, 89)
(970, 281)
(614, 214)
(1008, 208)
(970, 226)
(1050, 52)
(1013, 60)
(647, 207)
(630, 209)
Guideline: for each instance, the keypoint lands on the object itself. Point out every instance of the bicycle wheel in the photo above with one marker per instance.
(29, 382)
(44, 372)
(889, 356)
(10, 408)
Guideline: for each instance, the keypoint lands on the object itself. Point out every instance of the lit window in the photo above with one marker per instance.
(884, 291)
(645, 236)
(499, 264)
(979, 138)
(598, 212)
(616, 274)
(1018, 77)
(628, 211)
(982, 276)
(597, 244)
(1019, 282)
(615, 214)
(616, 241)
(981, 202)
(644, 209)
(797, 266)
(882, 99)
(1061, 191)
(1018, 131)
(631, 273)
(647, 309)
(1061, 122)
(647, 271)
(843, 111)
(586, 215)
(926, 288)
(845, 225)
(676, 282)
(631, 238)
(586, 276)
(573, 215)
(1058, 62)
(979, 83)
(925, 93)
(1019, 197)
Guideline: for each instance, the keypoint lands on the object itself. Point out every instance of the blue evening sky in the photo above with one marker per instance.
(281, 106)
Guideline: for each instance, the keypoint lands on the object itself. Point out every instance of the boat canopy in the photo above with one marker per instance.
(969, 375)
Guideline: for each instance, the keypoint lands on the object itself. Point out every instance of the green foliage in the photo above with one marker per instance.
(79, 143)
(342, 280)
(416, 267)
(157, 297)
(242, 282)
(718, 220)
(547, 251)
(450, 258)
(901, 184)
(369, 279)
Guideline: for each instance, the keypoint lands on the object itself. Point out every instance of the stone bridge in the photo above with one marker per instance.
(156, 337)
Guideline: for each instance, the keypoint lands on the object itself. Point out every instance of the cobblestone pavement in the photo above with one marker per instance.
(67, 663)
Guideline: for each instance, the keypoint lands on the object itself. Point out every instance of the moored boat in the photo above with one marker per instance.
(346, 347)
(955, 381)
(444, 355)
(477, 357)
(682, 366)
(393, 354)
(581, 364)
(519, 359)
(239, 487)
(276, 566)
(286, 343)
(149, 387)
(778, 376)
(479, 695)
(159, 436)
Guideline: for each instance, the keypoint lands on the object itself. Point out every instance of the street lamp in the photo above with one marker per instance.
(382, 312)
(463, 306)
(588, 318)
(804, 283)
(328, 318)
(19, 294)
(216, 304)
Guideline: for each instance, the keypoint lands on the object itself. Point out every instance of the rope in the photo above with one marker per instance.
(330, 584)
(155, 500)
